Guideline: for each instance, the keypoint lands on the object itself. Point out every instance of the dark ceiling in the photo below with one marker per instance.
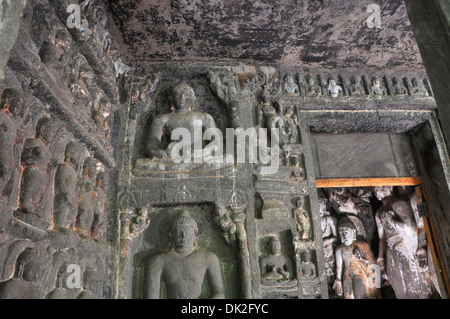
(306, 33)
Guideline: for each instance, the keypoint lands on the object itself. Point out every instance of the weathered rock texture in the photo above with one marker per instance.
(10, 14)
(296, 32)
(80, 187)
(57, 105)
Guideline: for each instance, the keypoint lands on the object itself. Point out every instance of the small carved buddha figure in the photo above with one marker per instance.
(399, 88)
(34, 159)
(158, 138)
(139, 223)
(183, 269)
(25, 284)
(274, 120)
(86, 75)
(46, 130)
(301, 215)
(100, 115)
(356, 89)
(53, 57)
(377, 89)
(313, 89)
(333, 89)
(307, 267)
(354, 265)
(290, 87)
(276, 269)
(418, 89)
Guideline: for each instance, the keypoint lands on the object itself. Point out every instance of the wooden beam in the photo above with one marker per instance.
(368, 182)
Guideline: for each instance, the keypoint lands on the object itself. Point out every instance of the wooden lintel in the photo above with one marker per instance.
(368, 182)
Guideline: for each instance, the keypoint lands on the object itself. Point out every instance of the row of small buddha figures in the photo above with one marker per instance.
(76, 197)
(378, 87)
(79, 201)
(30, 271)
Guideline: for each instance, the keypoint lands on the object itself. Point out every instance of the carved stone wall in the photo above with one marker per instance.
(83, 185)
(57, 112)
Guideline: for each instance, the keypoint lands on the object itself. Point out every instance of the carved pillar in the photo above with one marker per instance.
(244, 257)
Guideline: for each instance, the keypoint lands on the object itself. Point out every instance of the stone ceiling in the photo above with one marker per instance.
(325, 34)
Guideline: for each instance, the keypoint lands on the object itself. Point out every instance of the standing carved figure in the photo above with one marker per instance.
(301, 215)
(100, 203)
(355, 275)
(402, 247)
(329, 236)
(65, 207)
(35, 157)
(184, 268)
(290, 125)
(85, 215)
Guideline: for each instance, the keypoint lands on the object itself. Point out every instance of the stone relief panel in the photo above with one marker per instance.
(282, 204)
(276, 268)
(302, 216)
(180, 105)
(56, 113)
(375, 244)
(184, 240)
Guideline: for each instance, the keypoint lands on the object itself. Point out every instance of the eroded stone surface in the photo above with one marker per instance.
(295, 32)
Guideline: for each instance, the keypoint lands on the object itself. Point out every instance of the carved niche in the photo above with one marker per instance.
(381, 239)
(201, 241)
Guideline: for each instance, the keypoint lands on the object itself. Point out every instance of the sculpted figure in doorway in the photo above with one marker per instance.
(354, 265)
(329, 236)
(402, 249)
(184, 268)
